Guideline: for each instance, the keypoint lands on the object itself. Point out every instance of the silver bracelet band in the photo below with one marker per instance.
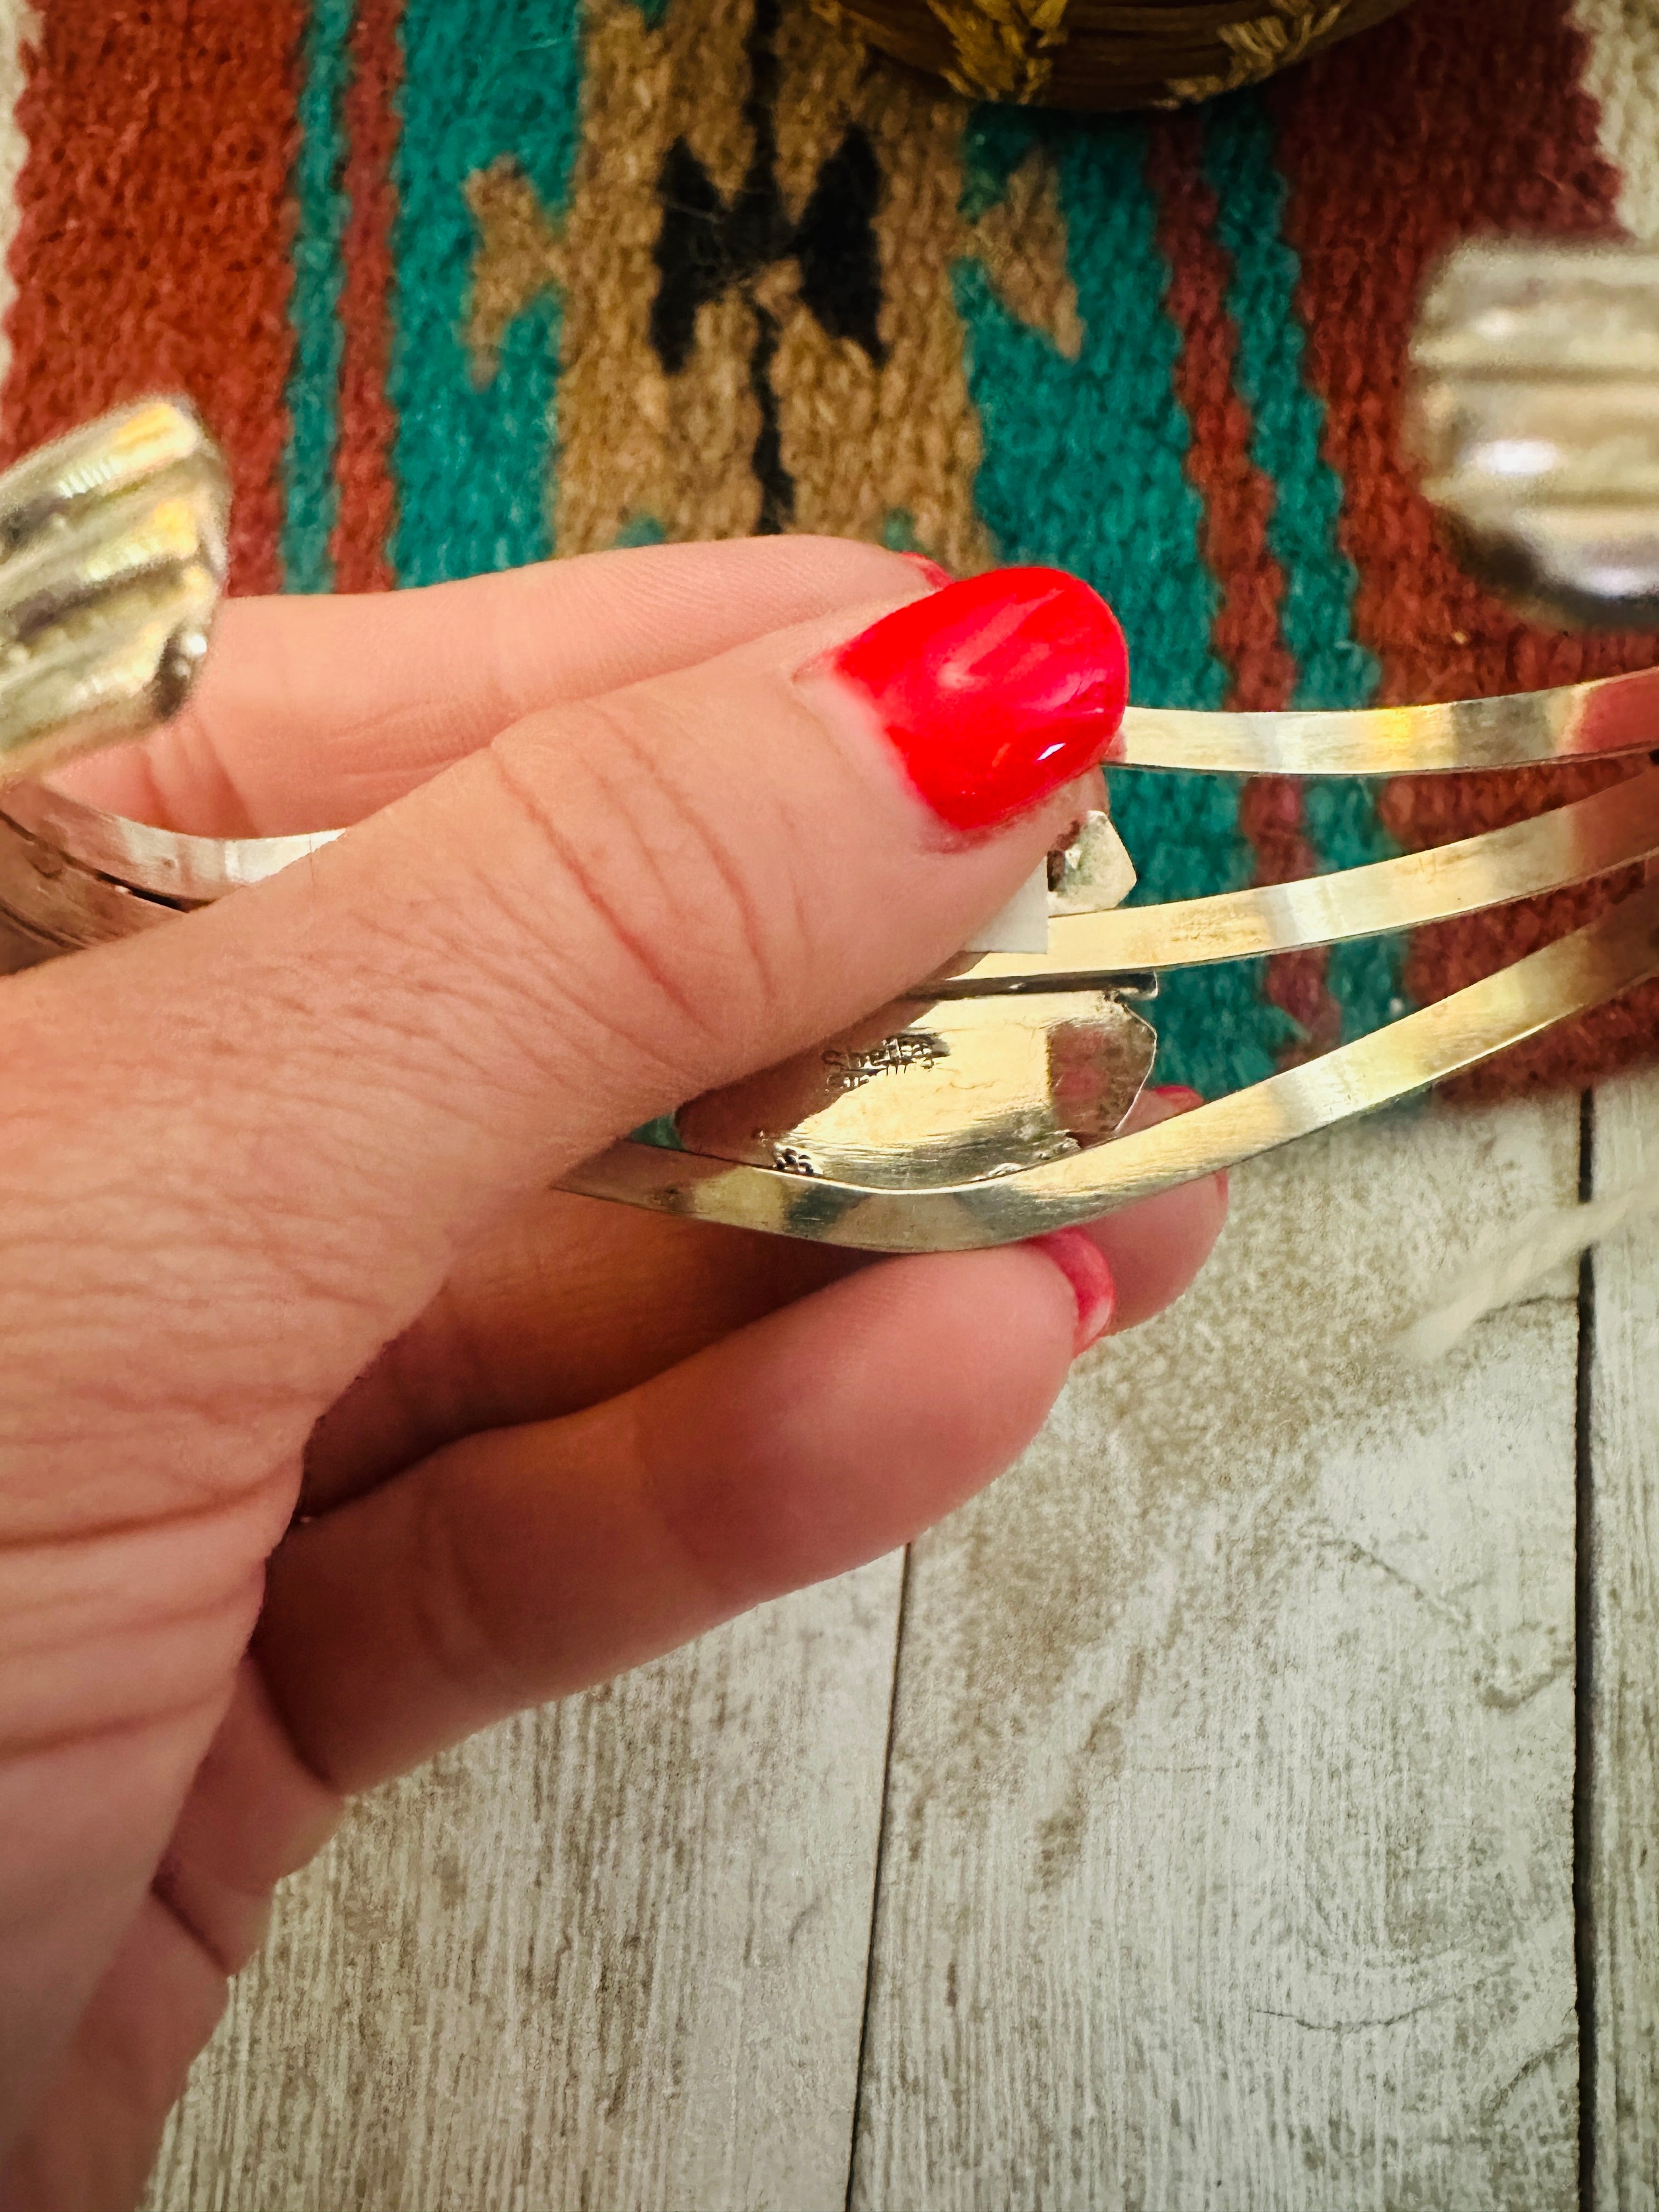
(72, 876)
(986, 1104)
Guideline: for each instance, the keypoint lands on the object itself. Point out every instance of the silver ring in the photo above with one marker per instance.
(111, 564)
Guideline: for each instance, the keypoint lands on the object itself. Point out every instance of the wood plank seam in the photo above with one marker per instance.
(1584, 1687)
(881, 1819)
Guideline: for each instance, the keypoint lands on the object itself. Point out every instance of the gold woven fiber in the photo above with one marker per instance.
(1094, 54)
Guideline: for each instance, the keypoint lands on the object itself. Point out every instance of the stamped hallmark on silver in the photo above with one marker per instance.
(910, 1048)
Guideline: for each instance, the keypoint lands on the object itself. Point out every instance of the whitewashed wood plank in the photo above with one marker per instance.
(611, 1955)
(1623, 1842)
(1228, 1859)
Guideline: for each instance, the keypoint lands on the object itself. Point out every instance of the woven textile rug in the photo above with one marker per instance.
(461, 283)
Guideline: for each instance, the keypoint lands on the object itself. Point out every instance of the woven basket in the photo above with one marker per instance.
(1092, 54)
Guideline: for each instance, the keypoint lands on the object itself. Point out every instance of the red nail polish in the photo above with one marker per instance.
(996, 691)
(1083, 1265)
(936, 577)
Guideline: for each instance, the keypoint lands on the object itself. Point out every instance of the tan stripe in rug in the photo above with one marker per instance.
(877, 437)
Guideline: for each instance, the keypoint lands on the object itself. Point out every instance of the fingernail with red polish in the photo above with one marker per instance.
(1083, 1265)
(930, 571)
(996, 691)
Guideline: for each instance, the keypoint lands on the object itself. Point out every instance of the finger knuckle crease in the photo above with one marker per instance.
(664, 876)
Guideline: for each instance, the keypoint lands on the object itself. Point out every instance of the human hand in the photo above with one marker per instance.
(328, 1433)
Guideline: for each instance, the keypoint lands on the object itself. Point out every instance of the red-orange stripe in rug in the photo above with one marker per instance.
(1444, 122)
(152, 252)
(362, 534)
(1238, 498)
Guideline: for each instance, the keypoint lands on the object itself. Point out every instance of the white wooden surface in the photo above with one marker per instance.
(1229, 1828)
(1227, 1852)
(1622, 1672)
(609, 1955)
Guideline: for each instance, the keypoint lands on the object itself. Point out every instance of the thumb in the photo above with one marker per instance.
(303, 1101)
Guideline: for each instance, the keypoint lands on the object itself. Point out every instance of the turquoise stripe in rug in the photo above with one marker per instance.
(1083, 468)
(1288, 418)
(311, 500)
(473, 462)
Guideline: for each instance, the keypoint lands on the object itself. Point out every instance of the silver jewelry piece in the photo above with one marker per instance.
(112, 562)
(985, 1105)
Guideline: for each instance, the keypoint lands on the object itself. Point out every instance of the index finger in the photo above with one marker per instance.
(312, 713)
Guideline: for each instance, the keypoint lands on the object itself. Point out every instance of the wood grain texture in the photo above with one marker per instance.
(1624, 1665)
(1229, 1847)
(1228, 1857)
(609, 1955)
